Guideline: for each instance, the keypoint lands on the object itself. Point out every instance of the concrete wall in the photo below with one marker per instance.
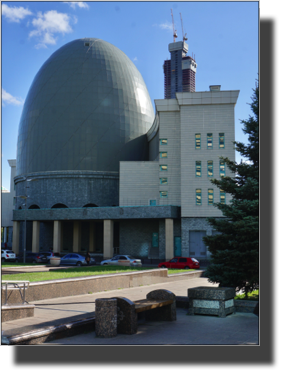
(138, 183)
(170, 129)
(203, 119)
(136, 237)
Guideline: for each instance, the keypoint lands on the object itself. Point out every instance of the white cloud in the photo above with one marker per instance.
(166, 26)
(135, 59)
(79, 4)
(15, 14)
(9, 99)
(49, 24)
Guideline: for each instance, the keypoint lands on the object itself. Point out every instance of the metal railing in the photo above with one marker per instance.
(15, 285)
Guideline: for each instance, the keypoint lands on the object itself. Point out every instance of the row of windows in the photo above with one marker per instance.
(210, 197)
(198, 168)
(209, 141)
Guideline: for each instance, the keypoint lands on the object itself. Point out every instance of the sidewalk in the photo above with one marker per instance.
(239, 328)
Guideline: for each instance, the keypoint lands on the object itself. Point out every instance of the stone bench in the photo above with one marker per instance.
(217, 301)
(159, 305)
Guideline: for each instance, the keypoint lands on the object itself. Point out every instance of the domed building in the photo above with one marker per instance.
(88, 108)
(97, 170)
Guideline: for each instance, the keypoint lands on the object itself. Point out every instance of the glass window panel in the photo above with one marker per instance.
(222, 168)
(221, 140)
(163, 141)
(198, 197)
(209, 140)
(210, 196)
(152, 202)
(163, 194)
(163, 154)
(210, 168)
(163, 180)
(163, 167)
(222, 197)
(198, 168)
(197, 141)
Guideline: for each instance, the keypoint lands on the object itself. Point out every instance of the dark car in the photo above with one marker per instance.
(180, 263)
(33, 257)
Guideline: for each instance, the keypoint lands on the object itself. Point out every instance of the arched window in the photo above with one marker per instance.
(33, 207)
(90, 205)
(59, 206)
(20, 208)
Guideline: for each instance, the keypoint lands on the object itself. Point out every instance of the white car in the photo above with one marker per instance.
(8, 255)
(116, 260)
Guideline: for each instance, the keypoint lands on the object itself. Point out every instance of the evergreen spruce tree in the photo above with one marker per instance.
(235, 249)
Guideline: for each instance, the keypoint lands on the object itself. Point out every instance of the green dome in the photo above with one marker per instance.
(86, 109)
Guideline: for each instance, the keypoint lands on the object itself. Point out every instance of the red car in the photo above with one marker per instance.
(181, 262)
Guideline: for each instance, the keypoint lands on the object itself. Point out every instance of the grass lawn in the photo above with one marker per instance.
(78, 272)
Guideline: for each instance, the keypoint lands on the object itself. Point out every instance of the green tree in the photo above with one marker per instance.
(235, 247)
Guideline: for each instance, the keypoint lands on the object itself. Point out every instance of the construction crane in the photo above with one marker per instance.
(175, 35)
(184, 35)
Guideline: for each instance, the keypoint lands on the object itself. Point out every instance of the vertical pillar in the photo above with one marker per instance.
(36, 236)
(107, 238)
(169, 238)
(92, 237)
(15, 237)
(57, 236)
(77, 235)
(61, 238)
(5, 235)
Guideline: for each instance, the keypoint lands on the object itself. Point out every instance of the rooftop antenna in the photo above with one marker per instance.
(184, 35)
(175, 35)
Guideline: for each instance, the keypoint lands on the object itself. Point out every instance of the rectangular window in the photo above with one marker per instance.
(209, 140)
(198, 168)
(222, 168)
(197, 141)
(163, 141)
(163, 154)
(198, 197)
(210, 196)
(163, 167)
(210, 168)
(152, 202)
(163, 194)
(221, 140)
(163, 180)
(222, 197)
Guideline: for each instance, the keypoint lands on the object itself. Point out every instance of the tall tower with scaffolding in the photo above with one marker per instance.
(180, 70)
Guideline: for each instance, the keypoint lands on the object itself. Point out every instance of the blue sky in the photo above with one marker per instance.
(223, 37)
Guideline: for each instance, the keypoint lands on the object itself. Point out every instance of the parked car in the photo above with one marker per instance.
(50, 254)
(33, 257)
(75, 259)
(8, 255)
(115, 260)
(181, 263)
